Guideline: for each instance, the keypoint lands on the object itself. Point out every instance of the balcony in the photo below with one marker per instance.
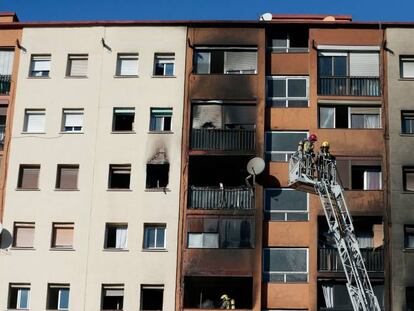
(329, 260)
(223, 139)
(220, 198)
(5, 82)
(349, 86)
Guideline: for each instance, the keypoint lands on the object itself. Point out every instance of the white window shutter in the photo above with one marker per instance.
(41, 63)
(35, 122)
(73, 118)
(364, 64)
(6, 62)
(79, 66)
(407, 69)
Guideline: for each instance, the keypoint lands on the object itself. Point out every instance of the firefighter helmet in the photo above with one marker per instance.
(312, 137)
(224, 297)
(325, 144)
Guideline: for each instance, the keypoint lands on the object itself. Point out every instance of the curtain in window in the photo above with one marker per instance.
(365, 239)
(372, 180)
(372, 121)
(121, 237)
(6, 62)
(207, 117)
(328, 295)
(236, 233)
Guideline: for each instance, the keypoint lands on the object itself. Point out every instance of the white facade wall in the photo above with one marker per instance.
(88, 265)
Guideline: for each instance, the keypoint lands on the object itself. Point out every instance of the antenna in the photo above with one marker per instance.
(254, 167)
(266, 17)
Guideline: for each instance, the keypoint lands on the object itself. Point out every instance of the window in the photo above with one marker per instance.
(203, 240)
(34, 120)
(123, 120)
(72, 120)
(161, 119)
(409, 236)
(6, 62)
(407, 67)
(286, 205)
(332, 64)
(366, 177)
(154, 236)
(408, 178)
(407, 122)
(40, 66)
(152, 297)
(280, 145)
(409, 298)
(284, 42)
(164, 64)
(157, 176)
(28, 177)
(23, 234)
(127, 64)
(58, 297)
(116, 236)
(352, 117)
(119, 176)
(67, 177)
(287, 91)
(217, 60)
(220, 233)
(19, 296)
(112, 297)
(285, 265)
(62, 235)
(77, 65)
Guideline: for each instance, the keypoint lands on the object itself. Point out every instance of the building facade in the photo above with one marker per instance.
(92, 199)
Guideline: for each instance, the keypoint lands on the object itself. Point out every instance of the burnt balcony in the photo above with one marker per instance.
(349, 86)
(223, 139)
(5, 82)
(329, 260)
(220, 198)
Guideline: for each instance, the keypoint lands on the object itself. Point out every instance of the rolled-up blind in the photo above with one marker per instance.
(240, 62)
(24, 235)
(407, 64)
(68, 177)
(41, 63)
(128, 65)
(114, 292)
(29, 177)
(364, 64)
(73, 117)
(63, 235)
(35, 121)
(78, 65)
(6, 62)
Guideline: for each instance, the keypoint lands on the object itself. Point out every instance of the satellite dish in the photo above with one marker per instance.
(329, 19)
(256, 166)
(1, 227)
(267, 17)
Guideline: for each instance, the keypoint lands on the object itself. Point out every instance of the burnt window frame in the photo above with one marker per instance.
(126, 111)
(148, 181)
(123, 167)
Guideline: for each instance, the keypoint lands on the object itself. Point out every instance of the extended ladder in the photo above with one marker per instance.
(306, 175)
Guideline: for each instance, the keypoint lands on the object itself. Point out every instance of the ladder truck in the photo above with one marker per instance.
(319, 176)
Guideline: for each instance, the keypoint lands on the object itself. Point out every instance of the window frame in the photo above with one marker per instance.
(59, 176)
(286, 212)
(408, 59)
(127, 111)
(286, 153)
(29, 112)
(349, 115)
(72, 129)
(217, 234)
(407, 115)
(407, 170)
(60, 225)
(76, 56)
(20, 176)
(116, 286)
(18, 287)
(153, 117)
(149, 287)
(21, 224)
(157, 226)
(126, 56)
(59, 288)
(288, 48)
(287, 98)
(47, 58)
(285, 273)
(115, 226)
(406, 234)
(164, 59)
(122, 167)
(364, 114)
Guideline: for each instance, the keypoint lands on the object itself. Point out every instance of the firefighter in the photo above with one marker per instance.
(225, 302)
(307, 152)
(325, 162)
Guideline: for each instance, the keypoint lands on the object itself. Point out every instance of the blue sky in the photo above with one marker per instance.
(55, 10)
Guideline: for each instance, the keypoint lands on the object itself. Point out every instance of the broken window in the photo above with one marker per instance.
(58, 297)
(285, 265)
(204, 292)
(342, 116)
(157, 175)
(281, 145)
(152, 297)
(160, 119)
(116, 236)
(119, 176)
(286, 205)
(19, 296)
(288, 42)
(113, 297)
(216, 60)
(408, 178)
(123, 119)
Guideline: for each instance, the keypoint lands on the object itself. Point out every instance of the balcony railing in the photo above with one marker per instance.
(216, 198)
(5, 81)
(349, 86)
(330, 261)
(222, 139)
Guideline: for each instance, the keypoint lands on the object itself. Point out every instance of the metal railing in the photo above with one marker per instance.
(222, 139)
(330, 261)
(349, 86)
(5, 82)
(217, 198)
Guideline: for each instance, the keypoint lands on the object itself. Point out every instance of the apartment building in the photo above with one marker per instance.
(400, 55)
(92, 197)
(10, 36)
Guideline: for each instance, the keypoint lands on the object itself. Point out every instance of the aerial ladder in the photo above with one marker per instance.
(318, 175)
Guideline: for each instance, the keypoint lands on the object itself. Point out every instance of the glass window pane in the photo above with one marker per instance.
(372, 121)
(210, 240)
(285, 260)
(169, 69)
(24, 298)
(298, 103)
(297, 88)
(325, 66)
(285, 200)
(340, 66)
(326, 117)
(409, 181)
(277, 88)
(195, 240)
(160, 237)
(149, 237)
(64, 298)
(283, 141)
(202, 60)
(357, 121)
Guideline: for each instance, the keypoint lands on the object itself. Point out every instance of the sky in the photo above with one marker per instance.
(71, 10)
